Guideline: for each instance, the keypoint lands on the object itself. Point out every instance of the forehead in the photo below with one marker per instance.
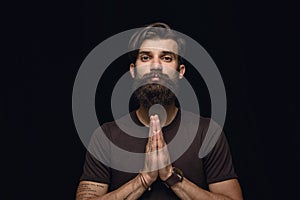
(159, 45)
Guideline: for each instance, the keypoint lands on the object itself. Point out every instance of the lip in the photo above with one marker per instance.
(155, 79)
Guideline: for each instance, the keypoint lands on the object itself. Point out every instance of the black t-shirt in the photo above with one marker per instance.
(214, 167)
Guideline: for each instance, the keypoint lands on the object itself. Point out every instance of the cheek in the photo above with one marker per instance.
(140, 71)
(171, 72)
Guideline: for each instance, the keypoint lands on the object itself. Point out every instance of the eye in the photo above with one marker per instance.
(167, 58)
(145, 58)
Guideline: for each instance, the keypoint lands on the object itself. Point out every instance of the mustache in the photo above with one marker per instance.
(169, 81)
(155, 73)
(164, 79)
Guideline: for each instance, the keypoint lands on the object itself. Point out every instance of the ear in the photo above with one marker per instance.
(132, 71)
(181, 71)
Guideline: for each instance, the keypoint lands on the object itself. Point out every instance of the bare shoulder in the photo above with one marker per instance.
(90, 189)
(230, 188)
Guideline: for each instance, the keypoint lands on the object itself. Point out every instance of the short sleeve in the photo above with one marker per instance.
(218, 164)
(96, 166)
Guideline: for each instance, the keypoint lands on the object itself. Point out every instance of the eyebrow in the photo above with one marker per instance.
(144, 52)
(164, 52)
(170, 53)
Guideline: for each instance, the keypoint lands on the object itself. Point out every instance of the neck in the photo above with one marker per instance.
(143, 115)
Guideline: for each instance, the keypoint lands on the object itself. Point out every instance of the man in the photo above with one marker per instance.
(156, 70)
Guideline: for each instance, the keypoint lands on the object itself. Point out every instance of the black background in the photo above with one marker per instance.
(254, 44)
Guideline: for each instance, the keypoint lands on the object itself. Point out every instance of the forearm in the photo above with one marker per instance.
(187, 190)
(131, 190)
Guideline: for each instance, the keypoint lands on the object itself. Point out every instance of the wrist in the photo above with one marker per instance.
(147, 178)
(145, 181)
(168, 174)
(176, 177)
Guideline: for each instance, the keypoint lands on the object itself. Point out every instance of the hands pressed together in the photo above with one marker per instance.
(157, 160)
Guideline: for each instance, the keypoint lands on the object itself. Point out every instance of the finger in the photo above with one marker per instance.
(154, 136)
(163, 157)
(157, 120)
(153, 143)
(151, 126)
(153, 119)
(149, 143)
(160, 141)
(156, 125)
(148, 147)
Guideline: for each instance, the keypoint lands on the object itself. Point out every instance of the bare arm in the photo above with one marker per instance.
(90, 190)
(98, 191)
(133, 189)
(225, 190)
(157, 157)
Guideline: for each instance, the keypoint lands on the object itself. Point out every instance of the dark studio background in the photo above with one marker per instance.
(253, 43)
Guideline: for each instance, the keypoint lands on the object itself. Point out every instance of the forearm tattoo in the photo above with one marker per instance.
(87, 190)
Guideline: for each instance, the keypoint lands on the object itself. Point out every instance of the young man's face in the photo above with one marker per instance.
(160, 55)
(156, 70)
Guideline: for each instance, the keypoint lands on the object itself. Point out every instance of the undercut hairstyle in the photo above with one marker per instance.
(154, 31)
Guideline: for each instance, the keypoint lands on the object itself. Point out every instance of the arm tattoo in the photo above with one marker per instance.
(87, 190)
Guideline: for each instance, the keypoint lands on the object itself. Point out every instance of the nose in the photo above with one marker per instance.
(155, 64)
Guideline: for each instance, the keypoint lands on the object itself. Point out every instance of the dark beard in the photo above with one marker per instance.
(150, 93)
